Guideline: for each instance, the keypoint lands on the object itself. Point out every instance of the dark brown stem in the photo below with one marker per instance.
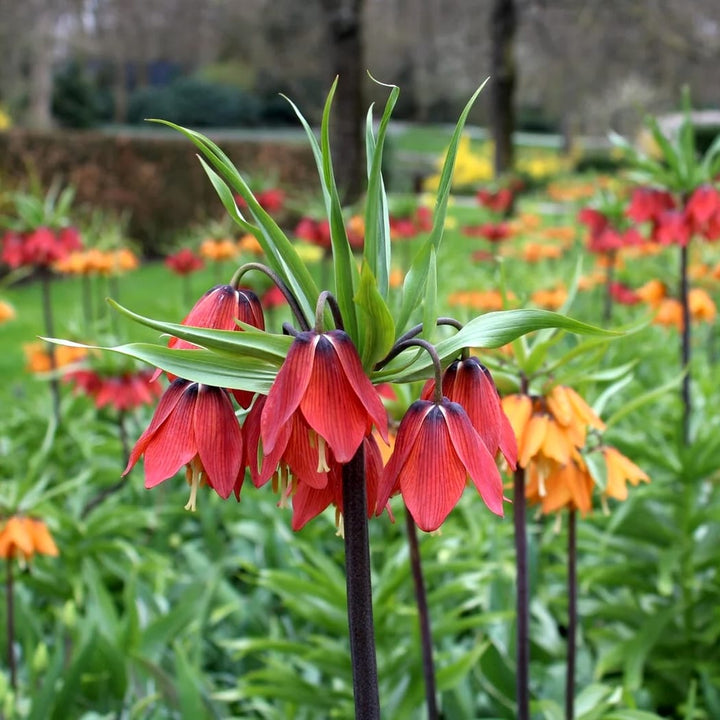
(609, 277)
(50, 332)
(572, 615)
(423, 618)
(12, 664)
(326, 298)
(277, 281)
(430, 349)
(685, 346)
(359, 590)
(522, 598)
(522, 603)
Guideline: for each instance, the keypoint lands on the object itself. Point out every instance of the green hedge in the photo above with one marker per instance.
(156, 179)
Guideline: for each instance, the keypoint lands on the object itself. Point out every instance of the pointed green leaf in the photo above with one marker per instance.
(203, 366)
(414, 288)
(376, 320)
(487, 331)
(377, 224)
(430, 302)
(346, 272)
(280, 252)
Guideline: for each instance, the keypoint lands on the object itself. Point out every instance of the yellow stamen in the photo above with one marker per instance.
(542, 490)
(339, 524)
(322, 457)
(195, 475)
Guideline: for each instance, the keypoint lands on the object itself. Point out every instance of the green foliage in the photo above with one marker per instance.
(195, 102)
(77, 101)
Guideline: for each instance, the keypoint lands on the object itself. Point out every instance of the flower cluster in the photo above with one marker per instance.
(607, 234)
(672, 220)
(97, 262)
(41, 247)
(551, 432)
(25, 536)
(321, 410)
(123, 391)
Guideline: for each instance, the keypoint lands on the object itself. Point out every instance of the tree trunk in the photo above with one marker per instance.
(40, 81)
(344, 22)
(503, 22)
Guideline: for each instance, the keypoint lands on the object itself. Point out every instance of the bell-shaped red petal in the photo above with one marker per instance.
(173, 444)
(288, 389)
(165, 407)
(407, 435)
(218, 438)
(433, 476)
(474, 456)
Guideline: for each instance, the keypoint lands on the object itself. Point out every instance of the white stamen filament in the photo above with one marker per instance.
(196, 476)
(322, 457)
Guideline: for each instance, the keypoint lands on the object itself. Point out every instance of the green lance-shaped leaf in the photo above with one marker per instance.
(251, 342)
(345, 270)
(203, 366)
(486, 331)
(414, 285)
(430, 302)
(377, 220)
(279, 251)
(376, 321)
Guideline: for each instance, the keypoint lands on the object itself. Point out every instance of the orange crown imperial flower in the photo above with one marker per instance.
(25, 536)
(550, 428)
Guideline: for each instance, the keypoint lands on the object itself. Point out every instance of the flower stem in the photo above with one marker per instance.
(609, 277)
(326, 298)
(423, 618)
(521, 598)
(399, 346)
(572, 615)
(50, 331)
(277, 280)
(685, 345)
(10, 624)
(359, 590)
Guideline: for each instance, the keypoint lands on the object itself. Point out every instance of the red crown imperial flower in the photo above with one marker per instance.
(436, 449)
(193, 425)
(323, 379)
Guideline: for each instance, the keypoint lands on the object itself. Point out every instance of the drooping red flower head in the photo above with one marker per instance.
(220, 308)
(296, 449)
(623, 294)
(273, 298)
(593, 219)
(436, 449)
(195, 426)
(41, 247)
(647, 204)
(469, 383)
(125, 391)
(499, 201)
(703, 204)
(308, 502)
(672, 227)
(494, 232)
(184, 262)
(323, 379)
(271, 200)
